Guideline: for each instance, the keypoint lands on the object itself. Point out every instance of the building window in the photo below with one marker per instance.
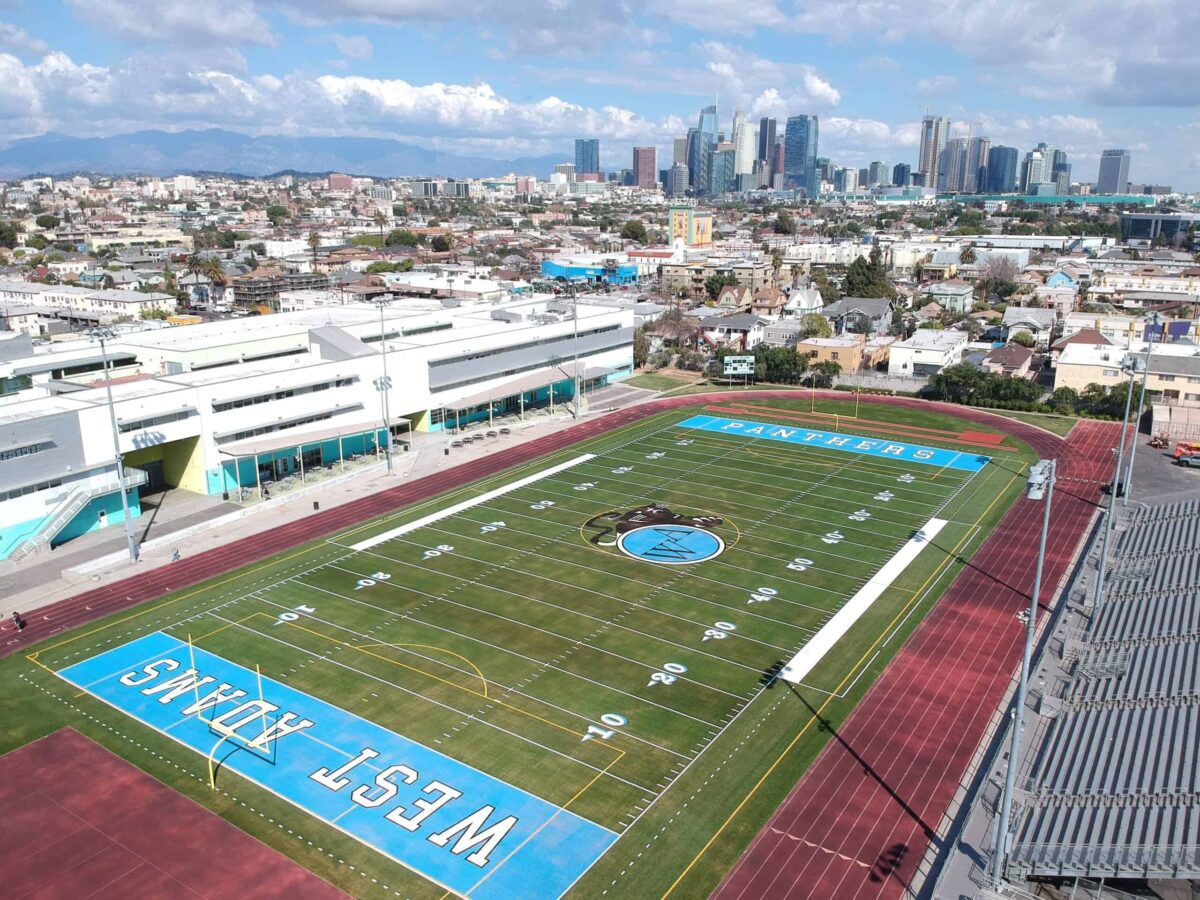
(1166, 377)
(1111, 373)
(27, 450)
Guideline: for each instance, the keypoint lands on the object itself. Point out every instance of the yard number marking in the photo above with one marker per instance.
(762, 595)
(657, 455)
(800, 564)
(372, 581)
(541, 504)
(586, 486)
(491, 526)
(622, 470)
(616, 720)
(860, 515)
(684, 443)
(291, 616)
(669, 675)
(907, 478)
(719, 631)
(833, 537)
(436, 551)
(885, 496)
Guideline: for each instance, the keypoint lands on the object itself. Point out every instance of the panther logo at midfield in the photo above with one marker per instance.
(606, 535)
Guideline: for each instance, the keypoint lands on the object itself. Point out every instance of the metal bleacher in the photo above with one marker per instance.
(1113, 784)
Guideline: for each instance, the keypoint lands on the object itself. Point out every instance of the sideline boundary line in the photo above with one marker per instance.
(467, 504)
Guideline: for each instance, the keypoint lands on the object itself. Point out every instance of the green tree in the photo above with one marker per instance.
(823, 373)
(956, 384)
(47, 221)
(441, 243)
(402, 237)
(641, 347)
(380, 219)
(815, 325)
(784, 223)
(863, 279)
(314, 244)
(37, 242)
(714, 283)
(277, 214)
(635, 230)
(9, 233)
(1024, 339)
(1065, 401)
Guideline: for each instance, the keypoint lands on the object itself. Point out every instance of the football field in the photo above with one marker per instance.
(513, 689)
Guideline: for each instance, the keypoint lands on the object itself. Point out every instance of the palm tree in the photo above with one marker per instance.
(314, 243)
(381, 220)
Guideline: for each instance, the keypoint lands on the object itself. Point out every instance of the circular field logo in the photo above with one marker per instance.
(671, 545)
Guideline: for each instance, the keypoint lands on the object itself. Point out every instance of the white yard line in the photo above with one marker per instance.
(854, 609)
(467, 504)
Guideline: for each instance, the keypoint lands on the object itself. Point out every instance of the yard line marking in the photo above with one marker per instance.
(854, 608)
(378, 539)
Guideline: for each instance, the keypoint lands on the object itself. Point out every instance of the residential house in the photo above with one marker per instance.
(1174, 369)
(859, 314)
(876, 351)
(1011, 360)
(1088, 337)
(769, 301)
(926, 353)
(802, 301)
(734, 298)
(743, 331)
(954, 295)
(1072, 277)
(1116, 329)
(1037, 323)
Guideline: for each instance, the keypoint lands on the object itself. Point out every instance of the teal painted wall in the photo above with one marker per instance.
(231, 475)
(88, 518)
(13, 535)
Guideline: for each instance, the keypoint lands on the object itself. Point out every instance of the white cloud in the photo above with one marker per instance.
(879, 64)
(182, 22)
(18, 40)
(353, 46)
(937, 84)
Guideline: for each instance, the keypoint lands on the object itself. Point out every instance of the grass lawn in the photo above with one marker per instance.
(656, 382)
(1060, 425)
(534, 628)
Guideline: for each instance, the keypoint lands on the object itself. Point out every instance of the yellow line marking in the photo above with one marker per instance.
(821, 709)
(474, 667)
(482, 695)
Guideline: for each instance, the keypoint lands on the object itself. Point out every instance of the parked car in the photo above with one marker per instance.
(1190, 460)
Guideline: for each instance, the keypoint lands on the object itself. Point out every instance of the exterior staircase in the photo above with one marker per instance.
(71, 506)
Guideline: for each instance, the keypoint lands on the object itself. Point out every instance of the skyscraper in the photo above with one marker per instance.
(723, 173)
(975, 175)
(878, 174)
(1002, 170)
(1060, 172)
(587, 156)
(1114, 172)
(952, 165)
(677, 180)
(680, 151)
(935, 130)
(766, 138)
(745, 144)
(700, 149)
(1037, 168)
(800, 154)
(645, 167)
(901, 174)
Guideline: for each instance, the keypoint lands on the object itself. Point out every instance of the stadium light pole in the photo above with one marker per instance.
(1040, 485)
(384, 384)
(575, 318)
(1131, 365)
(1153, 320)
(103, 335)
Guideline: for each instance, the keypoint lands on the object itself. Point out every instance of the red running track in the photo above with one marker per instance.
(77, 821)
(860, 820)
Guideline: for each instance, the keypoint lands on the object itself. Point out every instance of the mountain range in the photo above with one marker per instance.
(225, 152)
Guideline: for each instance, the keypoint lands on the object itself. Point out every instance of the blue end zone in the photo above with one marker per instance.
(849, 443)
(439, 817)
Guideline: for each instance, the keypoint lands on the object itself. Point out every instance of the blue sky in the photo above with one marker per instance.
(508, 78)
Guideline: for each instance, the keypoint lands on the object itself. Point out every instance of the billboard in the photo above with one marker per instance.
(739, 365)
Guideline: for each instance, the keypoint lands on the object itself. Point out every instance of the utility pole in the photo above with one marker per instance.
(1152, 320)
(385, 384)
(1131, 365)
(1040, 484)
(102, 335)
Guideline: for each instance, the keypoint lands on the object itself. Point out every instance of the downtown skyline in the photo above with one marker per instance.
(527, 79)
